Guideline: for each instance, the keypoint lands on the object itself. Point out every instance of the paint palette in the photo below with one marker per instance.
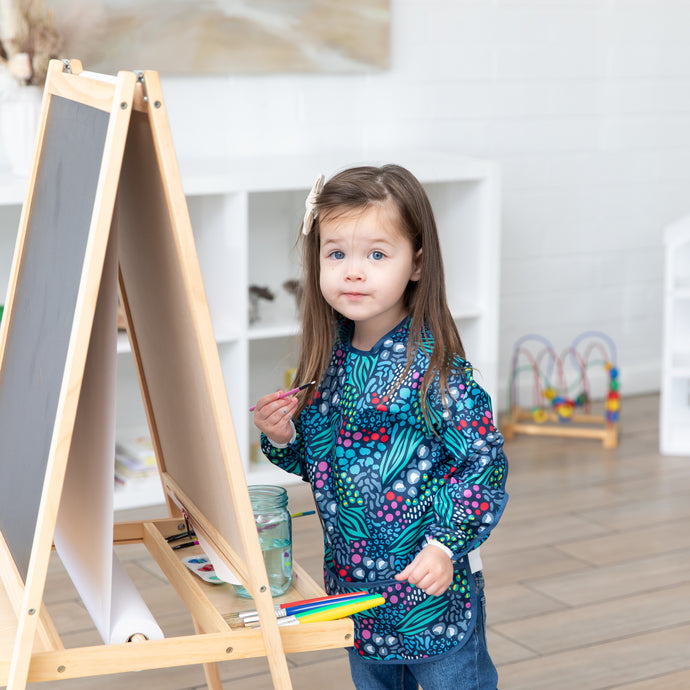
(202, 566)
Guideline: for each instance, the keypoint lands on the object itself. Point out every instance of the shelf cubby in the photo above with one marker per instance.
(246, 214)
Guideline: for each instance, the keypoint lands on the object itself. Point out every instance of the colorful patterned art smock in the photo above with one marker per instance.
(385, 483)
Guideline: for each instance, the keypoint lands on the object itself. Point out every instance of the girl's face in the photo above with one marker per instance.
(366, 263)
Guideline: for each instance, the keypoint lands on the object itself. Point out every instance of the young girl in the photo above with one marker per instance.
(397, 439)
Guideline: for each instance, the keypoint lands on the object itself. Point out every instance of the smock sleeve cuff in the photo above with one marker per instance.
(284, 445)
(438, 545)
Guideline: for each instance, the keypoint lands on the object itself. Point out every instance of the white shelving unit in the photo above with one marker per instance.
(246, 215)
(675, 386)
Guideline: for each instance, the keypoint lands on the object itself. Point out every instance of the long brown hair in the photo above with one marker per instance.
(425, 299)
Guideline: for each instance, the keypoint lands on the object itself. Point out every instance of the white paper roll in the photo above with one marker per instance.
(84, 528)
(129, 614)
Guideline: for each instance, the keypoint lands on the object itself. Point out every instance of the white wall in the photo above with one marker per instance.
(586, 103)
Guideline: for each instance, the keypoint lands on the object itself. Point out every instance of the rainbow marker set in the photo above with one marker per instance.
(316, 610)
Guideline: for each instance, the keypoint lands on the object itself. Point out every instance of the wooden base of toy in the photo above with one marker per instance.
(578, 426)
(209, 605)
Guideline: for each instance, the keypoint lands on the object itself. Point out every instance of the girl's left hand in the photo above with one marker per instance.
(431, 571)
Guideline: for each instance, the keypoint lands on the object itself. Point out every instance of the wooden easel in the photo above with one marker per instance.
(105, 160)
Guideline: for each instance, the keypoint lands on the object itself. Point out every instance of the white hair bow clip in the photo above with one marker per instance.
(310, 205)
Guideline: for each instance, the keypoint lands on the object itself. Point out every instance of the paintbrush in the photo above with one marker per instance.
(291, 392)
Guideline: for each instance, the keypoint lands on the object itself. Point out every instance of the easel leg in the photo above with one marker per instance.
(211, 671)
(270, 631)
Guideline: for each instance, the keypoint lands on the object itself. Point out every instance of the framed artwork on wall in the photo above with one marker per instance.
(184, 37)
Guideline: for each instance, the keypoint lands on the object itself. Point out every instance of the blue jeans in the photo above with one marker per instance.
(469, 668)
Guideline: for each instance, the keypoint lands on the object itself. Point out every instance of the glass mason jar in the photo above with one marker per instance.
(273, 522)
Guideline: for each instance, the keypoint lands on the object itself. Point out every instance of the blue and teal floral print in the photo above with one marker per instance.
(386, 481)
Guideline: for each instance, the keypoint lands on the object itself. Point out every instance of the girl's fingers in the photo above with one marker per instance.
(429, 572)
(269, 404)
(403, 574)
(286, 407)
(272, 403)
(275, 414)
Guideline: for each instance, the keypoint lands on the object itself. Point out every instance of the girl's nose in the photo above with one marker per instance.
(354, 271)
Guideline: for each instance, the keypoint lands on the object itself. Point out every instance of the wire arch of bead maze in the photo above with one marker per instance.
(562, 397)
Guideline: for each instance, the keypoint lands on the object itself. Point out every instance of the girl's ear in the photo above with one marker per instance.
(416, 266)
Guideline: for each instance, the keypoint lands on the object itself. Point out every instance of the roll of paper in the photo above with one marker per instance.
(84, 527)
(129, 614)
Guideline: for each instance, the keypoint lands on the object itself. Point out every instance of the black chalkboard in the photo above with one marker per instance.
(43, 311)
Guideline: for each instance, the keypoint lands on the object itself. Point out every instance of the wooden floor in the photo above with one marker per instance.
(588, 576)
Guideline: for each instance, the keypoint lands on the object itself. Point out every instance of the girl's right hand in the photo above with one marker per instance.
(273, 414)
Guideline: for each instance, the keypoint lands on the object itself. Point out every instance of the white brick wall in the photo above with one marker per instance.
(586, 103)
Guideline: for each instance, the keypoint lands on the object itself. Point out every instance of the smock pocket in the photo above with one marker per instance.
(410, 624)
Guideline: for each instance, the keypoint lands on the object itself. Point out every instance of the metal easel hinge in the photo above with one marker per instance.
(142, 81)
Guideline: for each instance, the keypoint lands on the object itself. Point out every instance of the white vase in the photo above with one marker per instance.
(21, 111)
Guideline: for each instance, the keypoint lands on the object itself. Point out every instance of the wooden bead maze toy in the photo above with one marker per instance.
(562, 399)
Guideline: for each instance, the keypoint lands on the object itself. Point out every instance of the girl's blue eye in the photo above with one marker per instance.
(377, 255)
(337, 254)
